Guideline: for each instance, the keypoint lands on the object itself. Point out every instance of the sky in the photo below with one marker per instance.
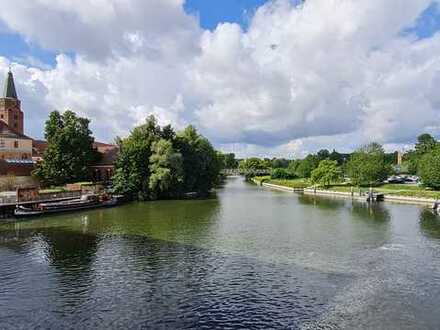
(277, 78)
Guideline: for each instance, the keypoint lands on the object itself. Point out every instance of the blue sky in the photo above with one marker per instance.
(210, 13)
(213, 12)
(183, 76)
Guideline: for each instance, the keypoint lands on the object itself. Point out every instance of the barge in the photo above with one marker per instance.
(85, 202)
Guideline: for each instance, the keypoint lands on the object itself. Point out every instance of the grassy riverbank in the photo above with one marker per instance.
(405, 190)
(394, 190)
(295, 183)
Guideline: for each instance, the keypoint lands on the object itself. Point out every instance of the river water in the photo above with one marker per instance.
(246, 258)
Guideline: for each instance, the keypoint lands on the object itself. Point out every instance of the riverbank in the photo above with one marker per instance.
(392, 193)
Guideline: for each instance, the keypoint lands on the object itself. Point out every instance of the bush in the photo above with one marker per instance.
(281, 173)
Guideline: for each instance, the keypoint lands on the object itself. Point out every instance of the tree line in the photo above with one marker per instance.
(153, 162)
(366, 166)
(157, 162)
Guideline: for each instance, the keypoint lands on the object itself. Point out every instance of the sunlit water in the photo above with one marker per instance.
(247, 258)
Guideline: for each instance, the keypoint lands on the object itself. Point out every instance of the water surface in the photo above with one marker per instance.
(246, 258)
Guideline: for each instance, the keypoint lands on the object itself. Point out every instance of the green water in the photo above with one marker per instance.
(247, 257)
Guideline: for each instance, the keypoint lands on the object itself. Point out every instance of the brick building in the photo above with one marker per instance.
(19, 153)
(16, 149)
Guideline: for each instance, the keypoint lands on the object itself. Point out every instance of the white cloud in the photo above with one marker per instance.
(327, 73)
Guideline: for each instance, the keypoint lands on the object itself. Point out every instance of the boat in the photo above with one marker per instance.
(85, 202)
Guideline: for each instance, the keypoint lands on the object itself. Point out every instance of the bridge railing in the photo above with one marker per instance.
(237, 171)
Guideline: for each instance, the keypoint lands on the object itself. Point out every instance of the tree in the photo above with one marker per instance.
(253, 163)
(367, 165)
(200, 161)
(334, 155)
(279, 163)
(429, 169)
(154, 162)
(425, 144)
(69, 152)
(132, 170)
(323, 154)
(326, 173)
(166, 168)
(411, 160)
(293, 165)
(230, 161)
(306, 166)
(281, 173)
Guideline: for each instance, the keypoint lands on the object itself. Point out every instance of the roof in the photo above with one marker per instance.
(19, 161)
(9, 91)
(7, 132)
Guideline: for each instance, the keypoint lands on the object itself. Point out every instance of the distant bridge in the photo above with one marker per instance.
(237, 171)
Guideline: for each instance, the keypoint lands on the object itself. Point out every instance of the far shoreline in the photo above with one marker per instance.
(354, 196)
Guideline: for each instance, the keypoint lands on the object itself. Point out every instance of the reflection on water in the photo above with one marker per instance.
(322, 202)
(430, 223)
(248, 258)
(376, 212)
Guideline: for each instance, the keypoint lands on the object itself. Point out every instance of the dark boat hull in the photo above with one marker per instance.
(28, 213)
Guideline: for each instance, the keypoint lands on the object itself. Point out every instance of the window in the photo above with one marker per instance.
(1, 116)
(15, 144)
(15, 125)
(15, 117)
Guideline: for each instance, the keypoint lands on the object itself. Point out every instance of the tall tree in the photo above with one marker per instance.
(200, 161)
(230, 161)
(326, 173)
(166, 167)
(429, 169)
(69, 152)
(132, 170)
(323, 154)
(425, 143)
(368, 165)
(306, 166)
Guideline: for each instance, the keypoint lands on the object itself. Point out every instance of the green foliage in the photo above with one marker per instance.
(323, 154)
(410, 160)
(254, 164)
(306, 166)
(425, 144)
(280, 163)
(339, 158)
(200, 161)
(429, 169)
(326, 173)
(367, 165)
(155, 162)
(228, 161)
(166, 167)
(281, 173)
(70, 150)
(132, 170)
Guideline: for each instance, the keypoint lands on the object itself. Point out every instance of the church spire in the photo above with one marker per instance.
(10, 91)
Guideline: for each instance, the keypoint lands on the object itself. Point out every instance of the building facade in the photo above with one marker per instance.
(19, 153)
(15, 148)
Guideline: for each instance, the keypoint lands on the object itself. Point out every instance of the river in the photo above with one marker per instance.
(246, 258)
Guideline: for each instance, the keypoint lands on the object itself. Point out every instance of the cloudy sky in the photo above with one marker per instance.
(265, 78)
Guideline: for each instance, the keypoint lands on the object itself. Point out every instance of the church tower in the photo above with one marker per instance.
(10, 106)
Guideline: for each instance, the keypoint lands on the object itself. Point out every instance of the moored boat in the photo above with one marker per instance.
(84, 203)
